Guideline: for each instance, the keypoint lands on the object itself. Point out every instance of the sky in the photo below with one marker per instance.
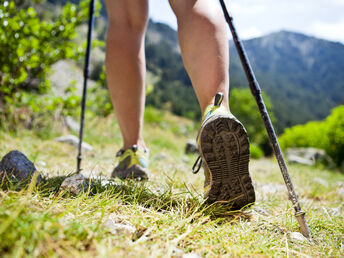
(254, 18)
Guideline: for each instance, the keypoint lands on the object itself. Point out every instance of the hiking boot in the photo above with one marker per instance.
(133, 164)
(225, 152)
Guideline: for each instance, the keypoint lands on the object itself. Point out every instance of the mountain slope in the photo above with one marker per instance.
(303, 75)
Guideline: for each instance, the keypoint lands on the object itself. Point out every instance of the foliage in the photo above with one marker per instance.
(28, 46)
(256, 152)
(327, 134)
(244, 107)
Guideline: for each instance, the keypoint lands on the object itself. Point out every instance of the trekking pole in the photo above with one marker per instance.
(256, 92)
(92, 8)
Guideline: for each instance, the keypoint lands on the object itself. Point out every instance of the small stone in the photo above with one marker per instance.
(300, 160)
(41, 163)
(340, 192)
(74, 141)
(191, 255)
(297, 236)
(336, 211)
(272, 188)
(17, 167)
(160, 156)
(176, 253)
(320, 181)
(191, 147)
(340, 184)
(74, 184)
(106, 182)
(309, 156)
(185, 159)
(71, 124)
(119, 228)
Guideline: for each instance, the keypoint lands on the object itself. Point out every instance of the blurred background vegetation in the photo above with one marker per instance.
(42, 47)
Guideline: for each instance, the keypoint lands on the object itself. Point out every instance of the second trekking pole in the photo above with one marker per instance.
(256, 92)
(86, 75)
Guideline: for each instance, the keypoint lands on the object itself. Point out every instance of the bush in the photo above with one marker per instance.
(244, 107)
(327, 135)
(335, 135)
(28, 47)
(256, 152)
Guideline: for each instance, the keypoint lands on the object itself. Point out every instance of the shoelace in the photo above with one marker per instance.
(134, 148)
(197, 165)
(119, 153)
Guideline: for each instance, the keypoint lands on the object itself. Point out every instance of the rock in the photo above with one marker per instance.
(176, 253)
(185, 159)
(71, 124)
(191, 147)
(299, 160)
(41, 163)
(191, 255)
(73, 140)
(271, 188)
(308, 156)
(297, 236)
(336, 211)
(65, 73)
(160, 156)
(320, 181)
(340, 192)
(74, 184)
(17, 167)
(119, 228)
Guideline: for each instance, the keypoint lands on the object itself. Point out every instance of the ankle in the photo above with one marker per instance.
(140, 144)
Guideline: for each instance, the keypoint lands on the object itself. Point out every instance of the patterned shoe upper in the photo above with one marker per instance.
(132, 163)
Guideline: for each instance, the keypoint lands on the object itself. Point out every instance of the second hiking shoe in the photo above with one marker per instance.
(225, 152)
(132, 164)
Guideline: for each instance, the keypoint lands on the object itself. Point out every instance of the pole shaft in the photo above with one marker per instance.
(86, 75)
(256, 92)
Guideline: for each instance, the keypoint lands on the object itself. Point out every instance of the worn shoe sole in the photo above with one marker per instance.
(225, 150)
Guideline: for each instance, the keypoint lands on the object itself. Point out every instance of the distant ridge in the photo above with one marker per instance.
(303, 75)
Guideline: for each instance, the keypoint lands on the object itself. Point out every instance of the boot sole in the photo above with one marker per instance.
(225, 150)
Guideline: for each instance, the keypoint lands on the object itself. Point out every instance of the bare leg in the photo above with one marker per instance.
(204, 46)
(126, 66)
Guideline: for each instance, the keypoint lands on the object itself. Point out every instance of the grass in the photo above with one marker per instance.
(167, 212)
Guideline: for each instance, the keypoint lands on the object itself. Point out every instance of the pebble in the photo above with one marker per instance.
(191, 255)
(74, 141)
(74, 184)
(297, 236)
(119, 228)
(340, 191)
(320, 181)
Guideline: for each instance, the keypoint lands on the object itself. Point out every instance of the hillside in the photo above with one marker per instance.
(303, 75)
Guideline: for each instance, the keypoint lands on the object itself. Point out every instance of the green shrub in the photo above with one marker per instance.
(335, 135)
(153, 115)
(256, 152)
(244, 107)
(28, 47)
(327, 135)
